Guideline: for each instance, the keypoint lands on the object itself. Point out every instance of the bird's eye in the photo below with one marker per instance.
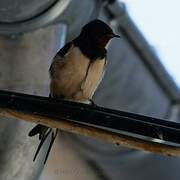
(104, 33)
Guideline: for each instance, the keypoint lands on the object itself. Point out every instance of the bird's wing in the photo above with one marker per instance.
(59, 58)
(103, 72)
(64, 50)
(94, 75)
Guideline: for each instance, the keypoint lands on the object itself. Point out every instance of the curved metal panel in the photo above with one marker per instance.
(24, 63)
(18, 10)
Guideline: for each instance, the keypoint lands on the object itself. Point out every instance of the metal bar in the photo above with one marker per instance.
(119, 127)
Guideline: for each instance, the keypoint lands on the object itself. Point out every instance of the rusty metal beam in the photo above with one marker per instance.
(121, 128)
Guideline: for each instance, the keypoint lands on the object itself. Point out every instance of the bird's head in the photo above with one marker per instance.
(98, 32)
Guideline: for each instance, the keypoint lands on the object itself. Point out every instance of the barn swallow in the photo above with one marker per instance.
(76, 71)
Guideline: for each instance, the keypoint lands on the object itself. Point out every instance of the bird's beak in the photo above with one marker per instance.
(113, 36)
(116, 36)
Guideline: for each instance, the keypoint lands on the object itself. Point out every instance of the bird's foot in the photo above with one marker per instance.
(92, 103)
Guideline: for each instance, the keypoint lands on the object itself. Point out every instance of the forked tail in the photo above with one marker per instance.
(43, 132)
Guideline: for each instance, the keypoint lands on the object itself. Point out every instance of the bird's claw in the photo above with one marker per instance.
(92, 103)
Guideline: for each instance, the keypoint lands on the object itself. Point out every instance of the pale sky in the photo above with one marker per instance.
(159, 21)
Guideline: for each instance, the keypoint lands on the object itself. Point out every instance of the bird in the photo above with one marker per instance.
(76, 71)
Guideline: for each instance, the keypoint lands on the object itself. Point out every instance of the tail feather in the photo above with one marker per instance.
(38, 129)
(41, 143)
(43, 132)
(53, 137)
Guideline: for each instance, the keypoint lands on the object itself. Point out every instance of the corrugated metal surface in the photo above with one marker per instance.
(135, 81)
(24, 63)
(132, 85)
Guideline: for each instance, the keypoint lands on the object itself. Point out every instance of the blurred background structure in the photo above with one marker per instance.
(135, 81)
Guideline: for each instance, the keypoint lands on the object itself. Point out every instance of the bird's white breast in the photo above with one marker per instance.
(70, 72)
